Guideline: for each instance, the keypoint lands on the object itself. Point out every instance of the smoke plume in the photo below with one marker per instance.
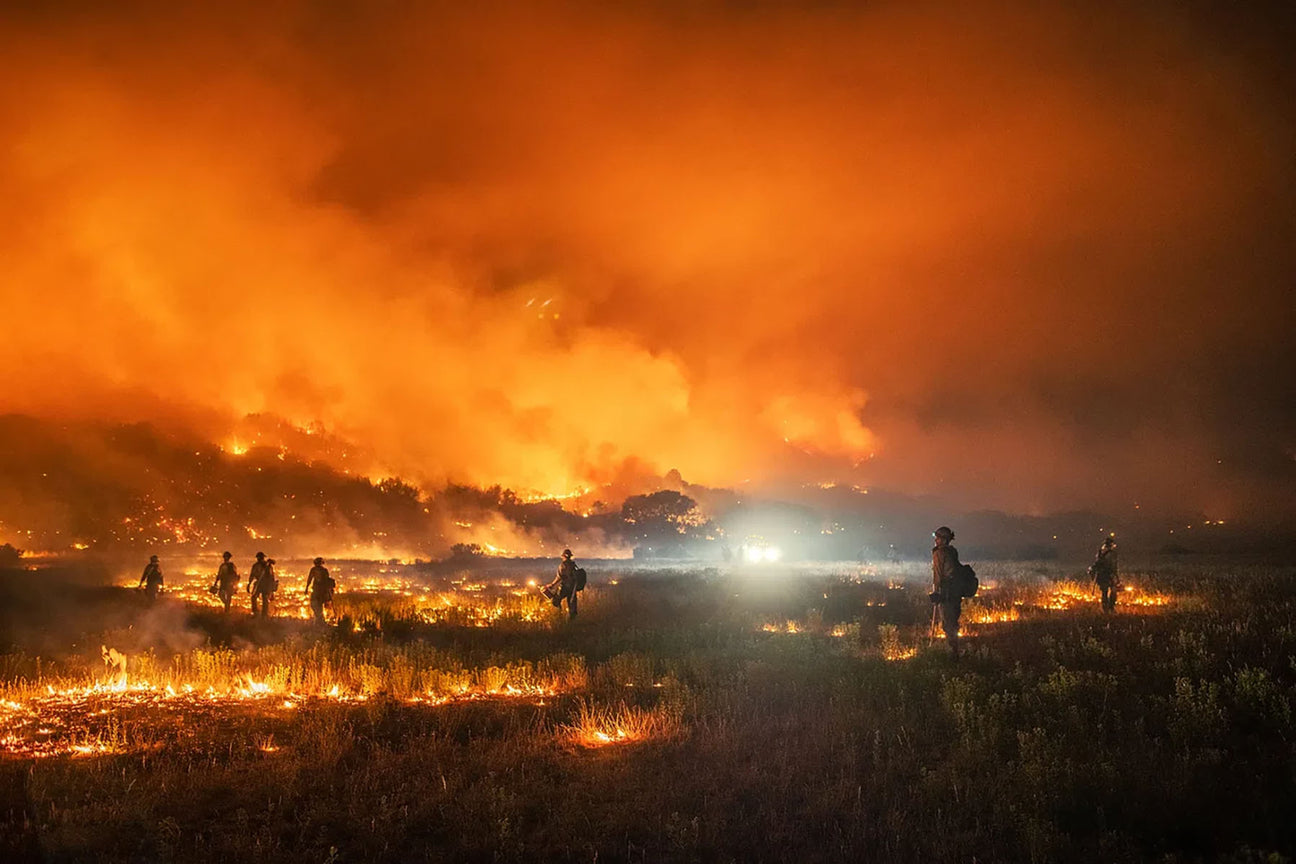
(1023, 257)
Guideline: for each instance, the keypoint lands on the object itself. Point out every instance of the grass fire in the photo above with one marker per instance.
(429, 692)
(671, 431)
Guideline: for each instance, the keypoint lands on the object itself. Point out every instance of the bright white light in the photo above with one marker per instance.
(763, 554)
(755, 554)
(772, 553)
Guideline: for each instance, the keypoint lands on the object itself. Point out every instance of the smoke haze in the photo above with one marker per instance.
(1027, 258)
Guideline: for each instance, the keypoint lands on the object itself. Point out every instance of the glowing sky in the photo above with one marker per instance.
(1025, 257)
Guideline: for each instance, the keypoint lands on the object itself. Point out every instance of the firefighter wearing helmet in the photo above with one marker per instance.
(569, 582)
(261, 585)
(945, 591)
(1103, 570)
(319, 586)
(227, 579)
(151, 578)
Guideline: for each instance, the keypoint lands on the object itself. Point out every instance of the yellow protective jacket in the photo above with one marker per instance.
(567, 571)
(945, 564)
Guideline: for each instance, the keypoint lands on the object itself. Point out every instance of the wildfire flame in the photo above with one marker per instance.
(899, 653)
(68, 719)
(595, 728)
(992, 615)
(457, 601)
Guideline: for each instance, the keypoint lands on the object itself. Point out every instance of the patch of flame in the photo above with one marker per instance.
(899, 653)
(600, 738)
(992, 615)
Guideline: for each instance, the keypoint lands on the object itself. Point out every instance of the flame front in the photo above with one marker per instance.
(79, 720)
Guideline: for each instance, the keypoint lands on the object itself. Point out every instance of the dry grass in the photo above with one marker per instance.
(675, 728)
(621, 724)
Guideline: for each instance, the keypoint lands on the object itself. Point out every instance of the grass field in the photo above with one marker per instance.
(766, 714)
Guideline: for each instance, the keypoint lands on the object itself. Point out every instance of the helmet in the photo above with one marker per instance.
(1110, 541)
(226, 555)
(566, 553)
(153, 558)
(260, 555)
(270, 561)
(943, 533)
(319, 561)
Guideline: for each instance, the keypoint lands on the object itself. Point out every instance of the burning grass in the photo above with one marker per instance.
(596, 727)
(666, 717)
(1003, 601)
(892, 646)
(977, 613)
(1070, 594)
(370, 595)
(52, 715)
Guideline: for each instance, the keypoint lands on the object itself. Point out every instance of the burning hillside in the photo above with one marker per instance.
(103, 488)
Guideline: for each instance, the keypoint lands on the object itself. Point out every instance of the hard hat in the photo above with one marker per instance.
(153, 558)
(566, 553)
(226, 555)
(943, 532)
(260, 554)
(319, 560)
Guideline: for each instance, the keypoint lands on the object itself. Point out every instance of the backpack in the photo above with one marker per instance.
(580, 579)
(1102, 571)
(966, 581)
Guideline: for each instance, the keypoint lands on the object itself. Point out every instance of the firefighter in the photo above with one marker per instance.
(319, 586)
(261, 584)
(567, 582)
(151, 578)
(227, 579)
(1103, 570)
(946, 593)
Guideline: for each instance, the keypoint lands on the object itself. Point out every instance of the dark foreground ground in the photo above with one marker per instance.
(1152, 735)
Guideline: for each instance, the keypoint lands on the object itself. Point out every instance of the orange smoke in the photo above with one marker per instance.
(532, 248)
